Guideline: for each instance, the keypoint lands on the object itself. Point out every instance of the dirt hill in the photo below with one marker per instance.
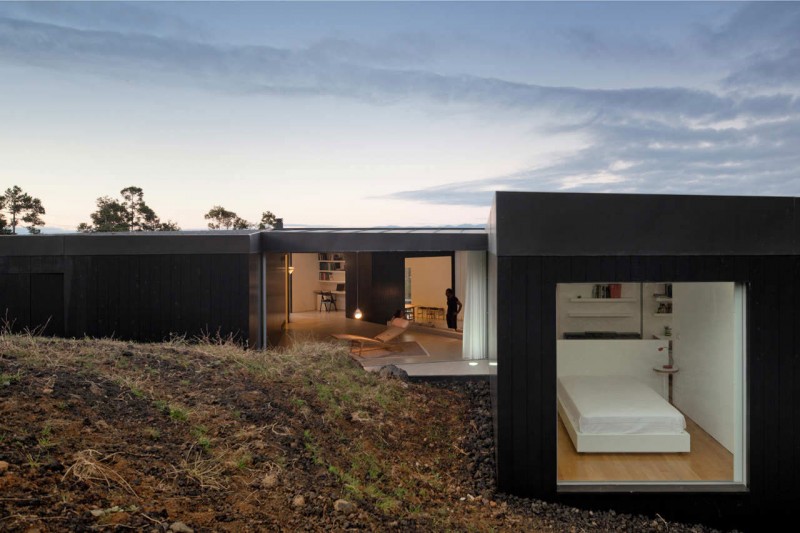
(101, 434)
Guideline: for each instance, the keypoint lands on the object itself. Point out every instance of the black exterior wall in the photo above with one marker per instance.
(380, 277)
(141, 286)
(135, 297)
(525, 342)
(276, 296)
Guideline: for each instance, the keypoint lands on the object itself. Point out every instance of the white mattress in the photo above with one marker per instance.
(616, 405)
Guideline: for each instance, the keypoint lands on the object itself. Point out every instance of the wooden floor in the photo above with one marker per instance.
(708, 461)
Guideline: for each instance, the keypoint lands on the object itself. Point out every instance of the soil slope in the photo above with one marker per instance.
(204, 436)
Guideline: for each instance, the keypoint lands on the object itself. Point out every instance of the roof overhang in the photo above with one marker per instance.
(374, 240)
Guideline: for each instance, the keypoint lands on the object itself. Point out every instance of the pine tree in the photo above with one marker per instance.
(130, 213)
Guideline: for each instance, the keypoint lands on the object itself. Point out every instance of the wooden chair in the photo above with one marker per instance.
(327, 300)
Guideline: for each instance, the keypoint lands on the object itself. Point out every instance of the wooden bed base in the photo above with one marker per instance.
(627, 443)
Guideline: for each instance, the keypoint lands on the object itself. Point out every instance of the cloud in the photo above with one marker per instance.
(652, 139)
(592, 44)
(102, 16)
(269, 70)
(765, 37)
(756, 26)
(654, 158)
(768, 70)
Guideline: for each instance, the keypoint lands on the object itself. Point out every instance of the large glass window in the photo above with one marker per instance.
(651, 383)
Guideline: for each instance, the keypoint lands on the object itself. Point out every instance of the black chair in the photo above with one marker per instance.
(327, 300)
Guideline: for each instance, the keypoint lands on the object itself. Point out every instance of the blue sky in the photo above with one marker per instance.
(362, 114)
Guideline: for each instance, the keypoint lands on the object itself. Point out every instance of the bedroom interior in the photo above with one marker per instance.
(650, 382)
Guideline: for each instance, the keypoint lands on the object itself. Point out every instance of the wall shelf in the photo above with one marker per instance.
(663, 337)
(602, 300)
(599, 315)
(662, 314)
(663, 298)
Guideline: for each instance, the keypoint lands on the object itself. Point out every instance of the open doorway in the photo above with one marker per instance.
(426, 281)
(318, 283)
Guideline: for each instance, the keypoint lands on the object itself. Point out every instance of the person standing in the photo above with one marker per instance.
(453, 308)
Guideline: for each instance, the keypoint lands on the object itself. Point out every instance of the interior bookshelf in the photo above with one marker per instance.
(331, 275)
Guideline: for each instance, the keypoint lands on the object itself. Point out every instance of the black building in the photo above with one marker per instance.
(543, 244)
(544, 249)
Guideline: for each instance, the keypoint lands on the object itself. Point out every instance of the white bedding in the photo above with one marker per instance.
(617, 405)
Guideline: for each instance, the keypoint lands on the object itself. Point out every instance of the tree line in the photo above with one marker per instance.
(127, 213)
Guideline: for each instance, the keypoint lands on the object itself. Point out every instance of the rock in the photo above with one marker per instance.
(393, 372)
(298, 501)
(4, 466)
(344, 506)
(180, 527)
(127, 353)
(269, 481)
(97, 512)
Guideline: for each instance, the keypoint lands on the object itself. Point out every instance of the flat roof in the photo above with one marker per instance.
(246, 241)
(389, 239)
(133, 243)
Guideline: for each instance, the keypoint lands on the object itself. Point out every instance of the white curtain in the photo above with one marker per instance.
(475, 306)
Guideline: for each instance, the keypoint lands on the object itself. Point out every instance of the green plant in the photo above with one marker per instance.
(137, 392)
(199, 433)
(9, 379)
(243, 461)
(298, 402)
(178, 414)
(44, 437)
(161, 406)
(33, 462)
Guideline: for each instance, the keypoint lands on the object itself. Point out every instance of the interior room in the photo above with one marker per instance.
(391, 307)
(318, 282)
(426, 279)
(650, 382)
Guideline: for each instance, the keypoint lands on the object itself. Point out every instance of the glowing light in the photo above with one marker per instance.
(357, 315)
(473, 364)
(493, 363)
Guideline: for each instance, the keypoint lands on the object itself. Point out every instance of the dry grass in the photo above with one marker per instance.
(89, 468)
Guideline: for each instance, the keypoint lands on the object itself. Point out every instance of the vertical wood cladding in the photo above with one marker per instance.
(136, 297)
(380, 277)
(526, 379)
(276, 296)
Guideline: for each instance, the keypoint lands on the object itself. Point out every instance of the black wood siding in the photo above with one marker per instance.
(136, 297)
(276, 296)
(526, 379)
(381, 282)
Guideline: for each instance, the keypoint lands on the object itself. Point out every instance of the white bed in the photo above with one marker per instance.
(618, 414)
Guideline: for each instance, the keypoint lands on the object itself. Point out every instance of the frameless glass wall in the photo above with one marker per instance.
(651, 383)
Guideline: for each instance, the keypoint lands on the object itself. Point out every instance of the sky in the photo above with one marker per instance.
(374, 114)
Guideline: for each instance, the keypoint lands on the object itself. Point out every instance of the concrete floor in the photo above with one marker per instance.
(444, 350)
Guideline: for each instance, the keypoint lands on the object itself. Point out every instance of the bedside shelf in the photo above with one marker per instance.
(599, 314)
(602, 300)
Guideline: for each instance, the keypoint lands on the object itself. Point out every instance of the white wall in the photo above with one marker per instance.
(704, 350)
(430, 277)
(305, 280)
(567, 291)
(613, 358)
(651, 324)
